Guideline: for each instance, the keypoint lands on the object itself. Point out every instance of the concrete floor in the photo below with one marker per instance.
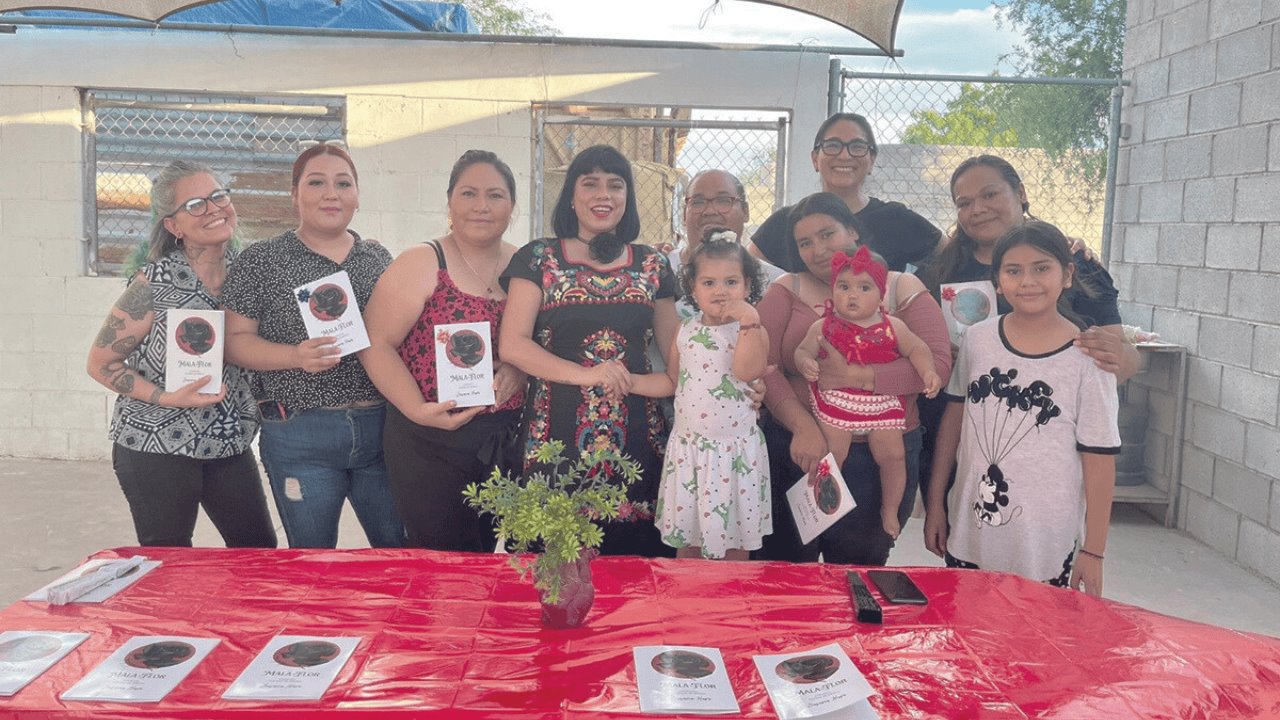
(54, 513)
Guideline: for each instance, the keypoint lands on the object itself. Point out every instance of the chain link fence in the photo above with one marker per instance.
(1060, 134)
(251, 141)
(667, 147)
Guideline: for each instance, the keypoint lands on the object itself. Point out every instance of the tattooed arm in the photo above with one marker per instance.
(126, 326)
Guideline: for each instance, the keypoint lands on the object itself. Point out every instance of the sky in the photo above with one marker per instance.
(937, 36)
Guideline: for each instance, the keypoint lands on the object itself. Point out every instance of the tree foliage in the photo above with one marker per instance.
(1064, 38)
(509, 17)
(970, 118)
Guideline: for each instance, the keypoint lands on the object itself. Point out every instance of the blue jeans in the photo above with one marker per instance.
(316, 459)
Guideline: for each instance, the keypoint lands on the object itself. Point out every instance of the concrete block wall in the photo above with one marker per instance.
(48, 405)
(1197, 254)
(412, 108)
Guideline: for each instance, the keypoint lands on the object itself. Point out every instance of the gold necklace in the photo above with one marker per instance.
(493, 276)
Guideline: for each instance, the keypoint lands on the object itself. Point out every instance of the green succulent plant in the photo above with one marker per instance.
(549, 517)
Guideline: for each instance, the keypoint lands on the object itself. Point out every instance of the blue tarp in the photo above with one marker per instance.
(403, 15)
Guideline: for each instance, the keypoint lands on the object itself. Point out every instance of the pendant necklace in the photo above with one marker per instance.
(493, 276)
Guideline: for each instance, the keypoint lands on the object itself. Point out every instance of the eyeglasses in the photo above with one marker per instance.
(857, 148)
(723, 203)
(196, 207)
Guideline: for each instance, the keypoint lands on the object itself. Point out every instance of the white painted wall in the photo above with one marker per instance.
(412, 108)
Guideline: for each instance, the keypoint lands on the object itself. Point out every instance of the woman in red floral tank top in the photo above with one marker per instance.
(433, 449)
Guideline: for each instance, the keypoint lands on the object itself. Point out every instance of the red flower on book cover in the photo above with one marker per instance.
(948, 293)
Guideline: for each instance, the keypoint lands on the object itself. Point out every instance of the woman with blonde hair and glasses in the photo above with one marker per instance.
(174, 452)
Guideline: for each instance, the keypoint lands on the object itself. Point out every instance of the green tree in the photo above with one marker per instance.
(509, 17)
(1064, 38)
(970, 118)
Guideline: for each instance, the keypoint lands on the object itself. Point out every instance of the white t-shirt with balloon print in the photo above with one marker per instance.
(1018, 503)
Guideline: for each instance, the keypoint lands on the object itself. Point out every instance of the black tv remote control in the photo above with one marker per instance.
(863, 601)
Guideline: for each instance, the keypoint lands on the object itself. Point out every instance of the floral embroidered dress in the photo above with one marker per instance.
(715, 479)
(850, 408)
(589, 316)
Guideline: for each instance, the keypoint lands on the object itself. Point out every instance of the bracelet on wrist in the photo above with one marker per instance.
(750, 326)
(1094, 555)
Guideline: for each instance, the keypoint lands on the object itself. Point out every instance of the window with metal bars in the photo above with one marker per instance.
(250, 141)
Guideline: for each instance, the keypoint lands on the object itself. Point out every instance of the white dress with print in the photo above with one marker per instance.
(715, 480)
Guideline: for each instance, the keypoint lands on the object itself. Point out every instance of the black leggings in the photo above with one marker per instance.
(165, 492)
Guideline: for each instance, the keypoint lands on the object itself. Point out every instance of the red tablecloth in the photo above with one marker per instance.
(458, 636)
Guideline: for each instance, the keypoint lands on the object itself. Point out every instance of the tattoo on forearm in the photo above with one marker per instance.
(136, 301)
(155, 396)
(125, 345)
(110, 329)
(119, 376)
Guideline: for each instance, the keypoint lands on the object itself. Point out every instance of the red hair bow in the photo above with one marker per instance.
(860, 262)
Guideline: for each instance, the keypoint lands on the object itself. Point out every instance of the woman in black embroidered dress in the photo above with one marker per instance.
(582, 307)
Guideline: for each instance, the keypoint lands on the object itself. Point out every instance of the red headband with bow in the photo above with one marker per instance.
(860, 262)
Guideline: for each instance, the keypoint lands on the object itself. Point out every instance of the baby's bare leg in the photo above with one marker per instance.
(837, 441)
(891, 456)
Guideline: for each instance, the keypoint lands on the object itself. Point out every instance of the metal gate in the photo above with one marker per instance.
(1071, 185)
(666, 147)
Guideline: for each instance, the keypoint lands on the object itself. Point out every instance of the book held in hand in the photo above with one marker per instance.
(293, 667)
(676, 679)
(25, 654)
(965, 304)
(144, 669)
(464, 364)
(817, 502)
(194, 342)
(329, 309)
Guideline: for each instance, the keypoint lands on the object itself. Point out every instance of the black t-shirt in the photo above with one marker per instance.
(1101, 309)
(898, 234)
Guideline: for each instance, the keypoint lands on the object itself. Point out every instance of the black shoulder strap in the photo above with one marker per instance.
(439, 253)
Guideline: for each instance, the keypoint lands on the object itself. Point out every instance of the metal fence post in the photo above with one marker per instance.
(1113, 154)
(835, 86)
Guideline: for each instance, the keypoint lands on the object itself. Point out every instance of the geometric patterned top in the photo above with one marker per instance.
(218, 431)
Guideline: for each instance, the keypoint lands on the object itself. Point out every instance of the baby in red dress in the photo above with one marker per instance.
(856, 328)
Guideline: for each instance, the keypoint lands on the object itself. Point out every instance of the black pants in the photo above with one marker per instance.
(165, 492)
(427, 468)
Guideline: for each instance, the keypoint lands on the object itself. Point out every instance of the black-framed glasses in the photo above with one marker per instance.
(831, 147)
(723, 203)
(196, 207)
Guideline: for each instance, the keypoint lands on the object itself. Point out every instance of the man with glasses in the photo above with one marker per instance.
(715, 200)
(844, 152)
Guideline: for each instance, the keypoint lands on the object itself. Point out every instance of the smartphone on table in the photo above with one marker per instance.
(897, 587)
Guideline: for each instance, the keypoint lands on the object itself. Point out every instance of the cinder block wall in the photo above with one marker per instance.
(412, 108)
(1197, 252)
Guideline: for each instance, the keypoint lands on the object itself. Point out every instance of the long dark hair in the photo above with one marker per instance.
(564, 221)
(1051, 241)
(959, 246)
(752, 271)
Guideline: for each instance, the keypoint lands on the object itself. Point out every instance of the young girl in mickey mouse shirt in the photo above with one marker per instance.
(1034, 421)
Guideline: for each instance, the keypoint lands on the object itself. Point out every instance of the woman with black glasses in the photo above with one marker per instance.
(176, 451)
(844, 152)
